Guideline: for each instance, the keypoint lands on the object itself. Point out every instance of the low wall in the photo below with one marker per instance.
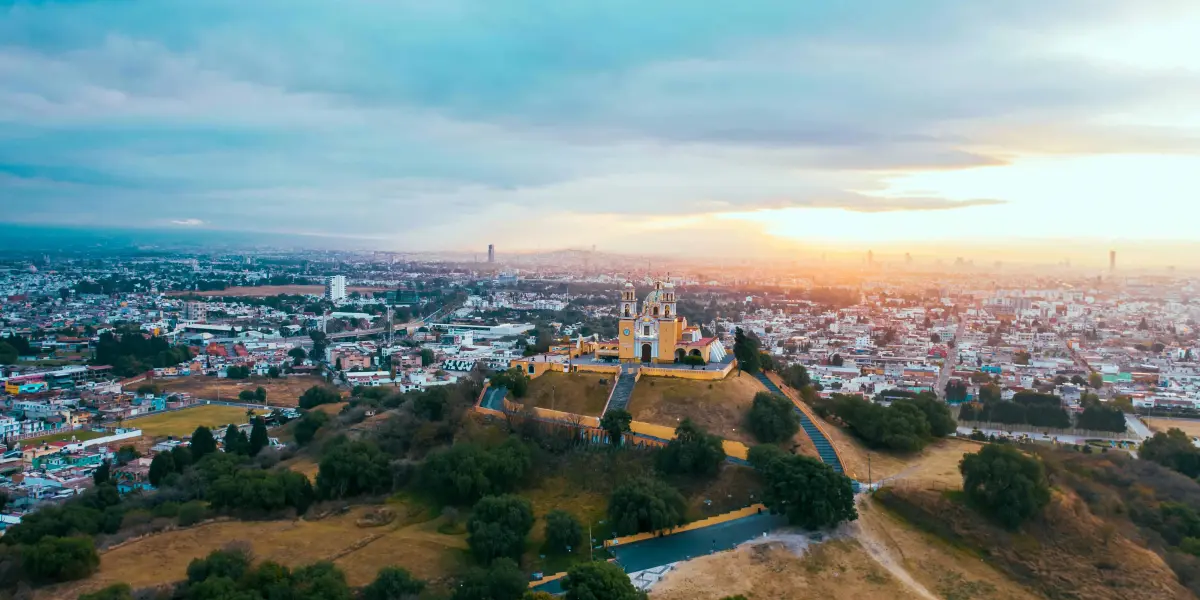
(753, 509)
(594, 368)
(699, 374)
(1019, 428)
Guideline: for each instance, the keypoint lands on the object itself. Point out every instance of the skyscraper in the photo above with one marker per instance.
(1112, 260)
(335, 288)
(491, 253)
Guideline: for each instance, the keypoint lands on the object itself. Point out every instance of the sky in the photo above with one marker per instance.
(677, 127)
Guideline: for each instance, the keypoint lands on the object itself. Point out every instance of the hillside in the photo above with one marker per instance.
(1067, 552)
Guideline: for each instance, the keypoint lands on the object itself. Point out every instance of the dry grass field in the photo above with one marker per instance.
(263, 291)
(183, 422)
(1189, 426)
(358, 551)
(578, 393)
(719, 406)
(284, 391)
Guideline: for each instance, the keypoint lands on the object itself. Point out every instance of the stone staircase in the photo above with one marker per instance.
(619, 399)
(824, 447)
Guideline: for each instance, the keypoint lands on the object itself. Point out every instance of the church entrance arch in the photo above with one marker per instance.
(695, 352)
(679, 354)
(646, 353)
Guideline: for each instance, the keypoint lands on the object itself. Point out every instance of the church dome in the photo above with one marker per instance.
(654, 297)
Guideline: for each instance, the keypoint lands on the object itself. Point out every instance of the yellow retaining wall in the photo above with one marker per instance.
(590, 368)
(701, 524)
(732, 448)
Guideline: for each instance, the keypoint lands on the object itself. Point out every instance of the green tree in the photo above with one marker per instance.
(937, 414)
(1005, 484)
(616, 422)
(102, 473)
(808, 492)
(427, 357)
(298, 355)
(503, 580)
(273, 372)
(57, 559)
(514, 380)
(746, 350)
(563, 532)
(393, 583)
(258, 436)
(318, 395)
(231, 564)
(202, 443)
(1096, 380)
(772, 418)
(644, 504)
(260, 395)
(1173, 450)
(352, 468)
(796, 376)
(693, 452)
(235, 441)
(599, 581)
(246, 396)
(498, 526)
(8, 354)
(306, 428)
(465, 472)
(160, 466)
(116, 591)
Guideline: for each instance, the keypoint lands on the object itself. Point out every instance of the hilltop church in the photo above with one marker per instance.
(657, 333)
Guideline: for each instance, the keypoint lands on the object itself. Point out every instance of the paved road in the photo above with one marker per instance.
(1041, 437)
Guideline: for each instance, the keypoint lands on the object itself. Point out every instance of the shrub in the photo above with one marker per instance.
(498, 526)
(563, 531)
(772, 418)
(1005, 484)
(693, 452)
(810, 493)
(599, 581)
(308, 425)
(192, 512)
(55, 559)
(393, 583)
(502, 581)
(465, 472)
(645, 504)
(353, 468)
(318, 395)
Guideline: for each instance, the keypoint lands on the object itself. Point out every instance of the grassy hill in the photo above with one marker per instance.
(719, 406)
(579, 393)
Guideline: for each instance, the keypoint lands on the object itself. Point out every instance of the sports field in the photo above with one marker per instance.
(180, 423)
(78, 435)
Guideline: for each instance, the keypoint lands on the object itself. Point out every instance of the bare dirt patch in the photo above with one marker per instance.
(578, 393)
(283, 391)
(719, 406)
(835, 570)
(360, 552)
(262, 291)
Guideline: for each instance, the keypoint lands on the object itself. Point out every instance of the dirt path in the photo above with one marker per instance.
(864, 531)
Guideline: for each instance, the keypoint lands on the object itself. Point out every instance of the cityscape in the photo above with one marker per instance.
(478, 300)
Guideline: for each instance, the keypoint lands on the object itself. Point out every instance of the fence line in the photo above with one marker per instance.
(1019, 428)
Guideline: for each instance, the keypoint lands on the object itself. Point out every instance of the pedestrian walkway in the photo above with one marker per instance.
(823, 445)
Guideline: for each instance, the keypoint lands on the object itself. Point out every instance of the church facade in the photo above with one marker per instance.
(655, 332)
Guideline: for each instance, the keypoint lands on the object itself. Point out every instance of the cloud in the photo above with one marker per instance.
(439, 121)
(187, 222)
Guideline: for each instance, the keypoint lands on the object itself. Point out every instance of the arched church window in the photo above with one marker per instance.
(667, 310)
(627, 310)
(656, 311)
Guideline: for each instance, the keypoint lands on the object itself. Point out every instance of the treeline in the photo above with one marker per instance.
(1040, 410)
(907, 425)
(1026, 408)
(131, 351)
(58, 543)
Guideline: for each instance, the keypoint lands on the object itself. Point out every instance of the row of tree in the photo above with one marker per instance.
(907, 425)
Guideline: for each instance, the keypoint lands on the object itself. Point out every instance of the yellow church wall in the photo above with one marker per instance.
(668, 336)
(709, 374)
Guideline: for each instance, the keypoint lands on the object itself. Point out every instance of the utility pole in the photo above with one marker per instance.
(869, 481)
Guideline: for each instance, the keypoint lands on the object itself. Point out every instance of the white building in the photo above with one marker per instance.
(196, 312)
(335, 288)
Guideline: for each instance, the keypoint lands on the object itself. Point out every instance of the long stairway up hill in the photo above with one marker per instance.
(823, 445)
(622, 392)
